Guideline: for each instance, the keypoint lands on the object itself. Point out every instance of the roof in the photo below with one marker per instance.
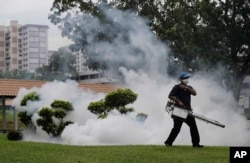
(10, 87)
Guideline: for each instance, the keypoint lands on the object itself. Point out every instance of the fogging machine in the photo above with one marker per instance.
(182, 113)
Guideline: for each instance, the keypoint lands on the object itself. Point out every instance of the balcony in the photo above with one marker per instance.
(7, 41)
(7, 57)
(7, 61)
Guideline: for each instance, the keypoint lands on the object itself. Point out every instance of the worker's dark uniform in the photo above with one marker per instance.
(185, 97)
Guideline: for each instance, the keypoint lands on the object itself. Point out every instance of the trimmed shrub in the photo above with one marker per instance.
(14, 135)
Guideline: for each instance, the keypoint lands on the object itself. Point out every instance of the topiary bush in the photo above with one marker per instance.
(14, 135)
(117, 99)
(52, 119)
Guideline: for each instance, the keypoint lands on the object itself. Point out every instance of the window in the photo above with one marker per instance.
(42, 50)
(43, 45)
(34, 60)
(33, 29)
(1, 43)
(34, 55)
(84, 77)
(94, 76)
(42, 39)
(43, 29)
(33, 49)
(14, 40)
(1, 34)
(42, 55)
(34, 44)
(34, 39)
(42, 61)
(14, 50)
(33, 33)
(34, 66)
(14, 29)
(42, 34)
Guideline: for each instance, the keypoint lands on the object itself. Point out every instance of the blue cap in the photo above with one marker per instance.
(184, 75)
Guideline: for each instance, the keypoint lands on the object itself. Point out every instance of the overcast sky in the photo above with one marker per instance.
(32, 12)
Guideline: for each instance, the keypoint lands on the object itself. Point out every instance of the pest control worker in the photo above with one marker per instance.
(181, 95)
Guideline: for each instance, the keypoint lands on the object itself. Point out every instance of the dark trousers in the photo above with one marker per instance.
(190, 121)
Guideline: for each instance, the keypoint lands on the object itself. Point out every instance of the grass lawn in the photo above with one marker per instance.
(32, 152)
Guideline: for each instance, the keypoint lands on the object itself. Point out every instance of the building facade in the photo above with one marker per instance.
(9, 46)
(2, 47)
(23, 47)
(79, 65)
(86, 75)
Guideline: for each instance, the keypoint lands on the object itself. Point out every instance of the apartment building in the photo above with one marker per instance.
(8, 46)
(79, 65)
(86, 75)
(2, 41)
(23, 47)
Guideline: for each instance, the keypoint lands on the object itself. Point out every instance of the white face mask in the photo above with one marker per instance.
(185, 81)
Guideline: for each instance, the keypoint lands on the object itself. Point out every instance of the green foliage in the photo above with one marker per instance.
(33, 96)
(201, 34)
(124, 110)
(99, 109)
(17, 74)
(61, 66)
(59, 104)
(116, 99)
(120, 97)
(46, 113)
(47, 118)
(59, 113)
(51, 119)
(141, 117)
(25, 118)
(14, 135)
(99, 29)
(62, 6)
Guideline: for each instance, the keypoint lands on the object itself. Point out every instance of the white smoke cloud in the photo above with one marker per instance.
(130, 41)
(152, 88)
(212, 101)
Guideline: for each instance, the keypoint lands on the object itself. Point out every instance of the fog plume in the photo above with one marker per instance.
(121, 39)
(152, 86)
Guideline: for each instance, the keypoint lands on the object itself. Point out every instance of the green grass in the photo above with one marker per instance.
(32, 152)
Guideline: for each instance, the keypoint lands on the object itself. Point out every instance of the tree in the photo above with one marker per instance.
(61, 66)
(99, 108)
(233, 23)
(102, 36)
(52, 119)
(25, 116)
(202, 34)
(117, 99)
(17, 74)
